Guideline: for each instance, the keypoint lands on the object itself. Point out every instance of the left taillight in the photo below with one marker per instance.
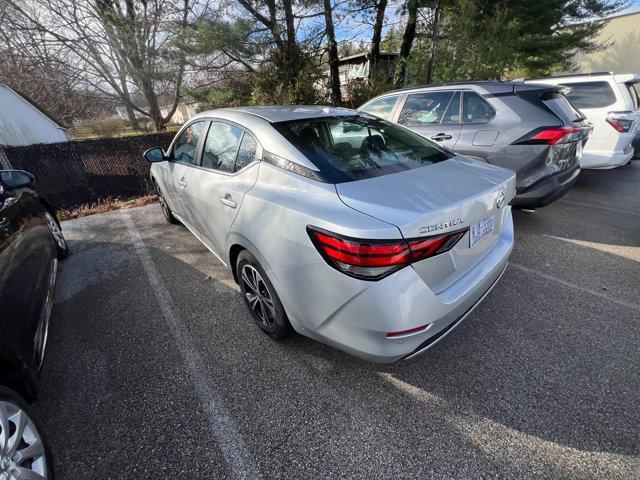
(376, 259)
(552, 135)
(621, 121)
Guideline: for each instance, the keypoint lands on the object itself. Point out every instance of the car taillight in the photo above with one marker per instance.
(550, 136)
(375, 259)
(621, 121)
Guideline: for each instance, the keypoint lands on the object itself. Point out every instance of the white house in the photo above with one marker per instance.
(22, 123)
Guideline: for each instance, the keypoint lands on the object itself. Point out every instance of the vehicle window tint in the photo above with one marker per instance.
(475, 109)
(591, 94)
(452, 115)
(381, 108)
(185, 147)
(220, 147)
(357, 147)
(634, 91)
(559, 105)
(425, 108)
(246, 152)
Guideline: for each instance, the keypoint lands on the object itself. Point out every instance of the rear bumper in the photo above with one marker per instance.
(402, 301)
(602, 160)
(547, 190)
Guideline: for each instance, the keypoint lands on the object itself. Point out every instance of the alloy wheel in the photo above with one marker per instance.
(258, 296)
(56, 232)
(22, 453)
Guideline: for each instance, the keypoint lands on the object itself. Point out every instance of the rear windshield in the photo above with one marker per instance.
(358, 147)
(559, 105)
(591, 94)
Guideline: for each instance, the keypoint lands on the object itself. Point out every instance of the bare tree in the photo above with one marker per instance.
(115, 46)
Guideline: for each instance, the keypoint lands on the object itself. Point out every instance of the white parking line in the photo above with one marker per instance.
(590, 291)
(222, 425)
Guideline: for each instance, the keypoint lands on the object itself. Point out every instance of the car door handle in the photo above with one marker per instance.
(441, 136)
(228, 201)
(182, 183)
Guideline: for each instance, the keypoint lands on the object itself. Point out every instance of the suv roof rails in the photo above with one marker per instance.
(592, 74)
(446, 84)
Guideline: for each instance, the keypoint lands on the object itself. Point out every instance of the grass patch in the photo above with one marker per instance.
(105, 205)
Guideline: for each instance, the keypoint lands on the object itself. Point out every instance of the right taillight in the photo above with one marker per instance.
(621, 121)
(375, 259)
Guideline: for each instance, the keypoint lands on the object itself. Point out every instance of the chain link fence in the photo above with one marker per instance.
(74, 173)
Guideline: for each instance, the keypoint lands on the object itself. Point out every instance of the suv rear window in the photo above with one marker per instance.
(591, 94)
(559, 105)
(358, 147)
(382, 107)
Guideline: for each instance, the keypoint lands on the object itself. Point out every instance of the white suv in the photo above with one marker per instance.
(612, 104)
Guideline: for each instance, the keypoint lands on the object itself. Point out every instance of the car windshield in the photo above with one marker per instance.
(358, 147)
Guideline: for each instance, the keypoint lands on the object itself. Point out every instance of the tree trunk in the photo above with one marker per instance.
(376, 38)
(133, 120)
(434, 35)
(407, 41)
(334, 60)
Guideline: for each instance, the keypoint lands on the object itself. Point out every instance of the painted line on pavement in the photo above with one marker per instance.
(222, 425)
(590, 291)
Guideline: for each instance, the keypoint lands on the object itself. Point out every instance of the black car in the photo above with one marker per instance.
(31, 242)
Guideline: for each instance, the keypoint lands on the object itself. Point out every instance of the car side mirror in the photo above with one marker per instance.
(12, 179)
(155, 155)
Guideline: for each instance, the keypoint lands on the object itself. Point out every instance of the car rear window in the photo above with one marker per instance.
(559, 105)
(358, 147)
(591, 94)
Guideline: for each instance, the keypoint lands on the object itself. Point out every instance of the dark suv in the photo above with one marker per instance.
(529, 128)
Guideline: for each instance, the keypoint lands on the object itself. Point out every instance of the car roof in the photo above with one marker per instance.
(282, 113)
(492, 86)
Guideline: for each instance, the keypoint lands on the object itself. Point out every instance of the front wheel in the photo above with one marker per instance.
(62, 250)
(261, 298)
(166, 211)
(23, 450)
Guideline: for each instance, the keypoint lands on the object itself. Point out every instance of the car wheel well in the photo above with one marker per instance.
(11, 377)
(233, 258)
(50, 209)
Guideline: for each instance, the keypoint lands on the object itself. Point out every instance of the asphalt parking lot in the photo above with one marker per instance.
(154, 369)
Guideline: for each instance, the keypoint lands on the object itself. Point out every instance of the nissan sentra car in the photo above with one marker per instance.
(340, 225)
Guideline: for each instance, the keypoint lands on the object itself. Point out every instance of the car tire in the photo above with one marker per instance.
(62, 249)
(166, 211)
(261, 298)
(10, 404)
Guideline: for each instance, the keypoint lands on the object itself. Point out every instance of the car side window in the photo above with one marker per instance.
(246, 152)
(382, 107)
(221, 146)
(423, 109)
(452, 115)
(476, 109)
(186, 146)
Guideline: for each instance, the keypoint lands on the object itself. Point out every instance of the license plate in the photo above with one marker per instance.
(480, 231)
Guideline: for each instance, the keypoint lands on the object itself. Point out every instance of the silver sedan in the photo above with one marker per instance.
(340, 225)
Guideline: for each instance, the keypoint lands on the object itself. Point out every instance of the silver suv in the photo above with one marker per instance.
(530, 128)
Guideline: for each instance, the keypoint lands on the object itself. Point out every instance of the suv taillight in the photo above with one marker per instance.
(551, 136)
(621, 121)
(375, 259)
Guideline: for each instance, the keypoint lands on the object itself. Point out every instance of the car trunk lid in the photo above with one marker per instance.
(456, 194)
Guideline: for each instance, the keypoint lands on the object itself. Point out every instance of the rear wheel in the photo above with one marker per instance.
(62, 250)
(166, 211)
(261, 298)
(23, 450)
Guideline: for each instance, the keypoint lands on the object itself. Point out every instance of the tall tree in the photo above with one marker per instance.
(411, 9)
(334, 60)
(379, 8)
(116, 46)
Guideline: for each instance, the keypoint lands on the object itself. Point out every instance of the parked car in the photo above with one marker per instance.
(339, 225)
(530, 129)
(31, 242)
(612, 104)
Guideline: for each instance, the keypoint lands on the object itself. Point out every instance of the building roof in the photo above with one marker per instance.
(35, 105)
(364, 56)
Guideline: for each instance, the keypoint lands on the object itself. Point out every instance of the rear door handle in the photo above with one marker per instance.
(182, 183)
(441, 136)
(228, 201)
